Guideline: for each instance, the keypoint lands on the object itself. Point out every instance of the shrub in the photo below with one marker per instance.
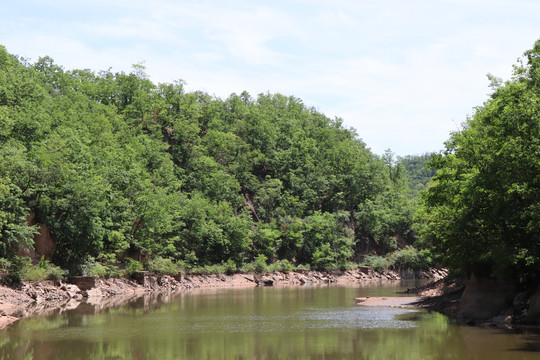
(281, 265)
(132, 266)
(407, 258)
(43, 270)
(323, 258)
(163, 266)
(260, 265)
(230, 267)
(92, 268)
(5, 266)
(106, 265)
(208, 269)
(303, 267)
(376, 262)
(410, 258)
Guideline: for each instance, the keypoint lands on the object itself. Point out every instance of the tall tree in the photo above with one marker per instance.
(482, 212)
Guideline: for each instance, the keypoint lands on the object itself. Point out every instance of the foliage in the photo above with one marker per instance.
(481, 213)
(43, 270)
(376, 262)
(93, 268)
(282, 266)
(418, 172)
(406, 258)
(14, 231)
(125, 172)
(409, 258)
(259, 265)
(163, 266)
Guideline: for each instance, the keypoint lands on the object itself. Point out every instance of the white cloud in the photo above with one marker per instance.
(402, 73)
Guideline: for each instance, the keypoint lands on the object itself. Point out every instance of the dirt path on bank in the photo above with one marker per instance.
(43, 297)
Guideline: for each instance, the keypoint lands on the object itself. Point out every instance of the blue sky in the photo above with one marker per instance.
(404, 74)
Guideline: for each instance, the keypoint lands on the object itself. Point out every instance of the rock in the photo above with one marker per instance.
(484, 298)
(83, 282)
(501, 321)
(267, 281)
(140, 277)
(533, 314)
(72, 291)
(365, 270)
(93, 293)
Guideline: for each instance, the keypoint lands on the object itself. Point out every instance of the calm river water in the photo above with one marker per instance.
(260, 323)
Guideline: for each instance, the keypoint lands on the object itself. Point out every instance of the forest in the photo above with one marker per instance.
(130, 175)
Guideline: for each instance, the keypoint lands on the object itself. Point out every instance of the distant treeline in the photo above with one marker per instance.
(121, 169)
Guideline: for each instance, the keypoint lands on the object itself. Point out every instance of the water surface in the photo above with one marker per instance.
(260, 323)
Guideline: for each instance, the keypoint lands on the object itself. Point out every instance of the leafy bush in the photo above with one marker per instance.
(92, 268)
(132, 266)
(43, 270)
(376, 262)
(230, 267)
(409, 258)
(208, 269)
(106, 265)
(260, 265)
(324, 258)
(163, 266)
(281, 265)
(5, 266)
(303, 267)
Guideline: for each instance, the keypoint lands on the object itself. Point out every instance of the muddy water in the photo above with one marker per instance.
(261, 323)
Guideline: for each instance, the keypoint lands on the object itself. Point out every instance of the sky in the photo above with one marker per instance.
(403, 74)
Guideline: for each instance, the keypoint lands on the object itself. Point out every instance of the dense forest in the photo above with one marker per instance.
(127, 173)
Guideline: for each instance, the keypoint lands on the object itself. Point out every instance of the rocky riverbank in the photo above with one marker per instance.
(481, 302)
(39, 298)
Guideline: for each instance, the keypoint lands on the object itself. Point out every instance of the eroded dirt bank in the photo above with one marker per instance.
(39, 298)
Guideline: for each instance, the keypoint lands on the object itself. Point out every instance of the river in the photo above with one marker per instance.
(261, 323)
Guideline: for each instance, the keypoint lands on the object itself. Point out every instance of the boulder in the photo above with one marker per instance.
(484, 299)
(83, 282)
(533, 314)
(366, 270)
(140, 277)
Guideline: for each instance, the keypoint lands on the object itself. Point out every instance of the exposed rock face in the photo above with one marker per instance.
(533, 313)
(83, 282)
(485, 299)
(43, 242)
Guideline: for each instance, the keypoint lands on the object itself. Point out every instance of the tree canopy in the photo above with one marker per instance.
(121, 168)
(482, 211)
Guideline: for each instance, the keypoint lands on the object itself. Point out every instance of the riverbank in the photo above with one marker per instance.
(484, 303)
(42, 297)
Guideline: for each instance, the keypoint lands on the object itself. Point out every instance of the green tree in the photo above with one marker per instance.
(482, 211)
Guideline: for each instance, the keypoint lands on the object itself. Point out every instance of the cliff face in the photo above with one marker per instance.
(43, 242)
(484, 299)
(483, 302)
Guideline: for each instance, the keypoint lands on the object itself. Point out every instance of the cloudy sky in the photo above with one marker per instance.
(404, 74)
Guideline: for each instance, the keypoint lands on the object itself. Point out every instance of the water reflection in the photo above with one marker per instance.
(297, 323)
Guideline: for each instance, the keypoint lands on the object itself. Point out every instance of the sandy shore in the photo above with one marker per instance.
(39, 298)
(398, 301)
